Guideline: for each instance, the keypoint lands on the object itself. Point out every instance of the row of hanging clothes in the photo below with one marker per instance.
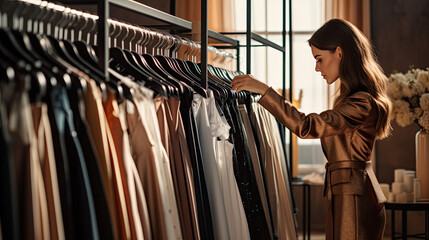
(145, 153)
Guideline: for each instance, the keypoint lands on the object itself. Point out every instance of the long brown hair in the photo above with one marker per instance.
(359, 68)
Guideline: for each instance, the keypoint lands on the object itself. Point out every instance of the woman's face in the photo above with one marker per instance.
(327, 63)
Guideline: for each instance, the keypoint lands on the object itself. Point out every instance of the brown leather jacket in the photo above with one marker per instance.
(348, 132)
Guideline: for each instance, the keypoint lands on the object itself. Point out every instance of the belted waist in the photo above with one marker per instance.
(346, 164)
(348, 177)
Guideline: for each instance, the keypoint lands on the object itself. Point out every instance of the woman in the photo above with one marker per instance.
(355, 202)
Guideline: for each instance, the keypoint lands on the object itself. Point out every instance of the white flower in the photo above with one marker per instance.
(402, 112)
(398, 86)
(400, 106)
(397, 77)
(423, 79)
(409, 76)
(424, 120)
(415, 72)
(424, 102)
(410, 94)
(407, 91)
(404, 119)
(395, 89)
(413, 88)
(418, 112)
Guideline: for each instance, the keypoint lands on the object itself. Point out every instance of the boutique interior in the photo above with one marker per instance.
(118, 119)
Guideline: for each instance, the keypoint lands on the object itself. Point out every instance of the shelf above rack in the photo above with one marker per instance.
(153, 13)
(258, 38)
(173, 21)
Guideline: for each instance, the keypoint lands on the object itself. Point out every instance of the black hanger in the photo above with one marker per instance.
(135, 59)
(195, 68)
(71, 50)
(120, 63)
(184, 67)
(33, 45)
(152, 64)
(7, 73)
(94, 72)
(50, 68)
(64, 54)
(8, 41)
(115, 76)
(56, 72)
(167, 80)
(11, 58)
(37, 85)
(181, 76)
(86, 52)
(38, 88)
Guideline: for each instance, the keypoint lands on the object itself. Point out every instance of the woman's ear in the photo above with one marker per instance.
(339, 51)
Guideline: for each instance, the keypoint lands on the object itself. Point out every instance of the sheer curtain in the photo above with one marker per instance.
(354, 11)
(220, 17)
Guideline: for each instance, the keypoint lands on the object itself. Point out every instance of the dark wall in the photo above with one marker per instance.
(400, 33)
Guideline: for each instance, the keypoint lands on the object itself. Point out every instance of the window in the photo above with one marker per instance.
(307, 17)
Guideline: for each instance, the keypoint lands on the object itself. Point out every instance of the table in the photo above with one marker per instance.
(405, 207)
(306, 210)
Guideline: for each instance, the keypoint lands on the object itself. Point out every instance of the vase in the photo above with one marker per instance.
(422, 163)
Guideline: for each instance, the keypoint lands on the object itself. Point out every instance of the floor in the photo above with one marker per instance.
(321, 236)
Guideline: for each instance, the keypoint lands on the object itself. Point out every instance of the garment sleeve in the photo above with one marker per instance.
(345, 117)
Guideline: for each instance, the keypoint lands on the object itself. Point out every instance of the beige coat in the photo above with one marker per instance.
(355, 208)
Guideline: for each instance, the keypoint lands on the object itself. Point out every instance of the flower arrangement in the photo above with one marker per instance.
(410, 95)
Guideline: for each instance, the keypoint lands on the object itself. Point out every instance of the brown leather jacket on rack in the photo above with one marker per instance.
(355, 208)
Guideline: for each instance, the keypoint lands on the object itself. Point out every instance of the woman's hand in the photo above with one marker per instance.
(248, 83)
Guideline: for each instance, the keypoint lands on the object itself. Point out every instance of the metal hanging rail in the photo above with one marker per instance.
(254, 36)
(221, 37)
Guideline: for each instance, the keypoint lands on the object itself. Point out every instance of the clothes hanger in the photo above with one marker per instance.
(59, 46)
(167, 64)
(118, 61)
(93, 71)
(9, 42)
(21, 36)
(219, 91)
(82, 45)
(141, 63)
(37, 81)
(152, 65)
(135, 59)
(179, 62)
(194, 71)
(72, 50)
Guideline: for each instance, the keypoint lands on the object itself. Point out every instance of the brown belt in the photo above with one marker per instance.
(341, 172)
